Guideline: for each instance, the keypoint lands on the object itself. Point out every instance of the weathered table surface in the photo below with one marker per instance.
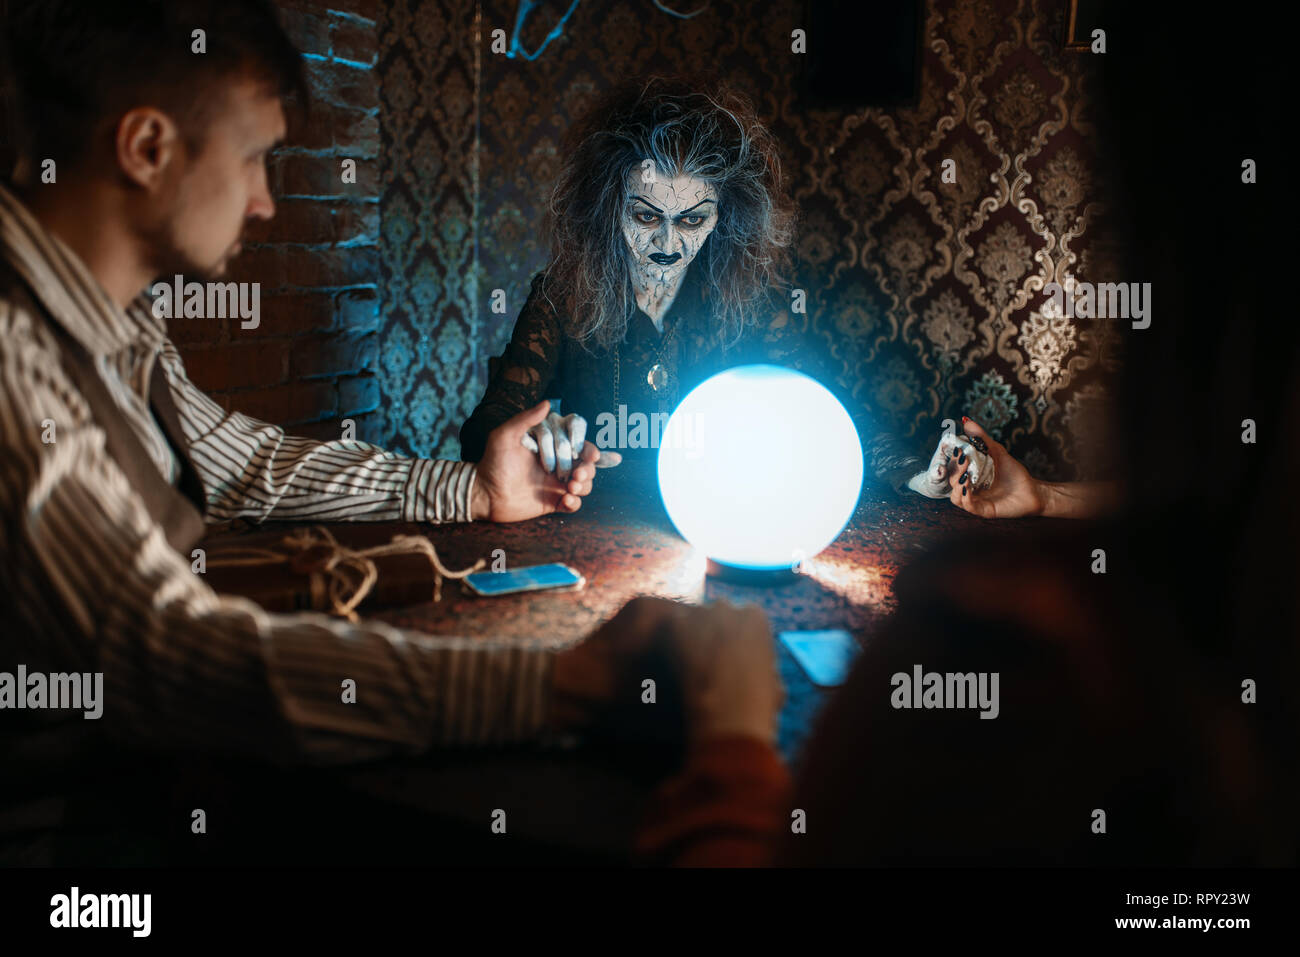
(625, 545)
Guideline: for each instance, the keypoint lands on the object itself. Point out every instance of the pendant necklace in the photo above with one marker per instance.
(657, 376)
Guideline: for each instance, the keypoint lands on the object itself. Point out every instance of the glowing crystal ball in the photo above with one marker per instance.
(760, 467)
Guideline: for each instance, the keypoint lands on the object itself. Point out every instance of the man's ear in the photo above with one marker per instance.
(147, 142)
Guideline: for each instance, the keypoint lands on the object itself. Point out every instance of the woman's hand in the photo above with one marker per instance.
(933, 482)
(1014, 491)
(559, 441)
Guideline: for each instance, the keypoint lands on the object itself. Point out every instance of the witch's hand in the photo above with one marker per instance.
(559, 441)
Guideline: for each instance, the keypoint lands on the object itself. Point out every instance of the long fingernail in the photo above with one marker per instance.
(964, 477)
(965, 488)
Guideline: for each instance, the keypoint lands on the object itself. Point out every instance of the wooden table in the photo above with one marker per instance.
(625, 545)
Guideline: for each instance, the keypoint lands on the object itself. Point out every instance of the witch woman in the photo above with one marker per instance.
(670, 238)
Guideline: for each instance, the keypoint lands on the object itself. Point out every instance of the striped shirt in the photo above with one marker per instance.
(91, 584)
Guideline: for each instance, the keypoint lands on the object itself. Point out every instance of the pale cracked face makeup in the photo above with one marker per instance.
(665, 222)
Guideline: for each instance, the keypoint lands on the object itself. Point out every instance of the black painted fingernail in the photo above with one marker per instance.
(964, 477)
(965, 488)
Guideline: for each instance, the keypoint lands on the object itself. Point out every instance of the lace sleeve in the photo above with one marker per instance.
(523, 375)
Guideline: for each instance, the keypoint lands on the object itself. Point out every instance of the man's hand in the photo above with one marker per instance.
(730, 682)
(512, 485)
(1014, 491)
(722, 656)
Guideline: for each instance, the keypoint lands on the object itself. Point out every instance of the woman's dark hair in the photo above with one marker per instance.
(687, 127)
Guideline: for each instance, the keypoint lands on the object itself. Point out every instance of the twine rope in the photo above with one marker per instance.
(344, 576)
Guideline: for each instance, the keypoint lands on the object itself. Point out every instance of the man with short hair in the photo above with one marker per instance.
(111, 456)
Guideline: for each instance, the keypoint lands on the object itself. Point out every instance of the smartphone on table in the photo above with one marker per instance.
(528, 578)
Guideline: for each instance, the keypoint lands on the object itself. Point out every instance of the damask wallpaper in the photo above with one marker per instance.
(926, 294)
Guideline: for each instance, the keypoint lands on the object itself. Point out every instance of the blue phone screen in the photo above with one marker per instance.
(824, 656)
(524, 579)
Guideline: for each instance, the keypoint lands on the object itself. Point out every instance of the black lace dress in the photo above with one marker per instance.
(542, 361)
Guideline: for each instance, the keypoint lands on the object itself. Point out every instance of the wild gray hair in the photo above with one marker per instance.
(688, 128)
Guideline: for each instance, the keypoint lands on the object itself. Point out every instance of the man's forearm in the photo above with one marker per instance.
(185, 667)
(254, 470)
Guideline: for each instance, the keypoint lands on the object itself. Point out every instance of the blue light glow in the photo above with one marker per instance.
(760, 467)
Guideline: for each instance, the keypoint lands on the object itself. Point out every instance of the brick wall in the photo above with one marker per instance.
(310, 362)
